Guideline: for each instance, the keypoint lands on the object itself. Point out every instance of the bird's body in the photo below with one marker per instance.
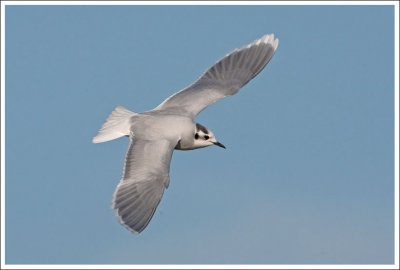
(155, 125)
(156, 133)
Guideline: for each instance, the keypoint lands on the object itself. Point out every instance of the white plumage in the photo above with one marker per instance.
(155, 134)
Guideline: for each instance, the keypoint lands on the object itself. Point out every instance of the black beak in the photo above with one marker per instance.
(219, 144)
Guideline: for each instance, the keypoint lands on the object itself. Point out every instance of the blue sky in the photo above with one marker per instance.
(308, 173)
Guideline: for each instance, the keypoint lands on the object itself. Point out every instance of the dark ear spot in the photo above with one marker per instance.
(196, 136)
(200, 127)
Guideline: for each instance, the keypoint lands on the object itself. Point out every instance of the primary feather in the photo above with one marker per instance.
(222, 79)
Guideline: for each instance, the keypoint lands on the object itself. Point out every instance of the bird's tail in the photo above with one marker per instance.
(116, 125)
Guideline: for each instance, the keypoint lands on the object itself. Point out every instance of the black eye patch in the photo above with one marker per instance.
(196, 136)
(206, 137)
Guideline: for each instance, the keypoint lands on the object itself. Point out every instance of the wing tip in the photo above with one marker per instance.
(128, 227)
(97, 139)
(276, 43)
(139, 229)
(266, 39)
(122, 222)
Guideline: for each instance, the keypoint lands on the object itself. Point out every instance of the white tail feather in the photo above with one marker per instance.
(116, 125)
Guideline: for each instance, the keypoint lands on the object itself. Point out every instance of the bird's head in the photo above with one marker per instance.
(203, 137)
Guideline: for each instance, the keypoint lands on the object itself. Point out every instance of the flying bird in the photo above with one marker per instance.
(153, 135)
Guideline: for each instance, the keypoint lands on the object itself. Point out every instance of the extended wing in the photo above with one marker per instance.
(144, 178)
(222, 79)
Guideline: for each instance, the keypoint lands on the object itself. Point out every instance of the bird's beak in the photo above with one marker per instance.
(219, 144)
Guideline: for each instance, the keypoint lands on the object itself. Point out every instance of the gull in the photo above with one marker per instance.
(153, 135)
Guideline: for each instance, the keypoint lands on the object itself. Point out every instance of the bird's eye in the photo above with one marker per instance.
(196, 136)
(206, 137)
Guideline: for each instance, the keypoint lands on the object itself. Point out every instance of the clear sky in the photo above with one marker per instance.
(308, 173)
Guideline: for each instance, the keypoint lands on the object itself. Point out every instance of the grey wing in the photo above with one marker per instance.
(144, 178)
(222, 79)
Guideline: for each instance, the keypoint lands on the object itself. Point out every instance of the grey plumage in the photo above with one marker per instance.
(144, 177)
(155, 134)
(222, 79)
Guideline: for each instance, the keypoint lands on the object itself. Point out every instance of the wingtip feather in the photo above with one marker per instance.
(276, 43)
(266, 39)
